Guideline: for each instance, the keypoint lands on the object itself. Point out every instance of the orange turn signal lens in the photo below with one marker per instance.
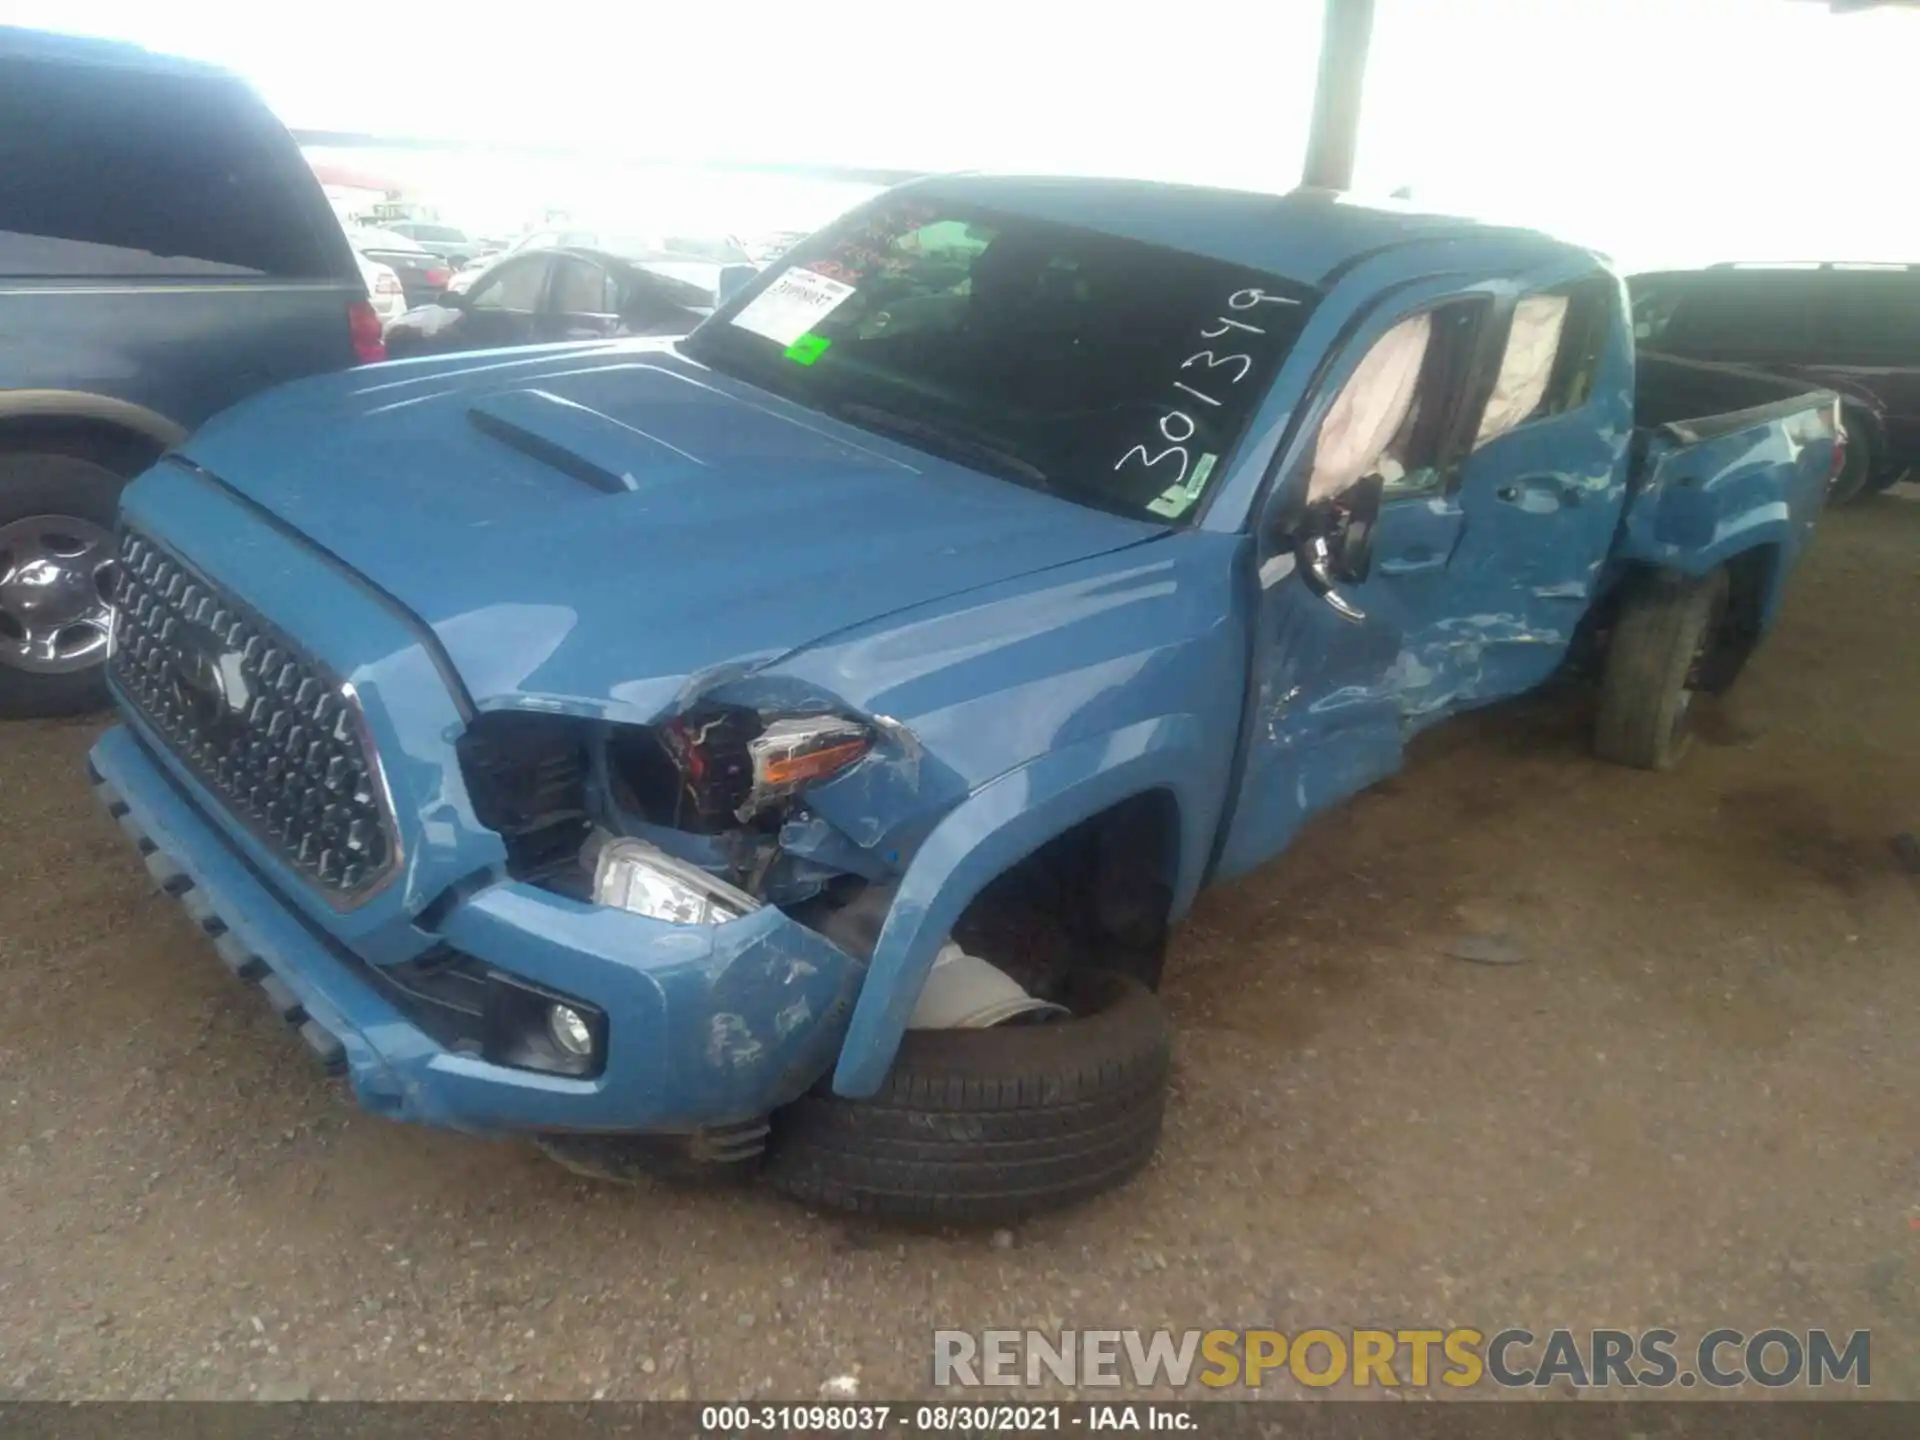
(792, 753)
(783, 771)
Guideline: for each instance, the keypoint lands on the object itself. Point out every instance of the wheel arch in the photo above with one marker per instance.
(1132, 777)
(119, 434)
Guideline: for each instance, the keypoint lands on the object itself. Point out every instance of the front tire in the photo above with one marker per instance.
(982, 1126)
(57, 515)
(1661, 641)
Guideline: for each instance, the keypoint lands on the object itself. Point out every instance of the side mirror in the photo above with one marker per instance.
(1333, 543)
(451, 299)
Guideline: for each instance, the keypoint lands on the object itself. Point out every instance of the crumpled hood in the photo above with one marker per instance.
(590, 527)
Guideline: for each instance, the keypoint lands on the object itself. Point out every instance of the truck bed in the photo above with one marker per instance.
(1696, 400)
(1730, 467)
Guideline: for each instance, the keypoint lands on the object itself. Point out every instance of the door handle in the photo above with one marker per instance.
(1539, 493)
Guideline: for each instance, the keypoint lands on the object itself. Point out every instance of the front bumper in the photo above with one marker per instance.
(707, 1026)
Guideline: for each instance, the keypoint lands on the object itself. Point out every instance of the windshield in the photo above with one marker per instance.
(1113, 372)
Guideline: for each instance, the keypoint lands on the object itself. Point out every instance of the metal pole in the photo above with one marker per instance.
(1336, 97)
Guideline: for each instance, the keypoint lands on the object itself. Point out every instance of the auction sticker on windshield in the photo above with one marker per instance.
(793, 305)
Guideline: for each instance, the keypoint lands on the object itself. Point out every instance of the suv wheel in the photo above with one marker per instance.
(57, 516)
(990, 1125)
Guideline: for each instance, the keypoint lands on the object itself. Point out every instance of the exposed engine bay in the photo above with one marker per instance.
(717, 788)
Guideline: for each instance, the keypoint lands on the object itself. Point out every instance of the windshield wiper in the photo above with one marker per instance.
(945, 442)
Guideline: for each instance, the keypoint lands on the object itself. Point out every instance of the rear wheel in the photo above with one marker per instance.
(57, 515)
(989, 1125)
(1888, 478)
(1656, 659)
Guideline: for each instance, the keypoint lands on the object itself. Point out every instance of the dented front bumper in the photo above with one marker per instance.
(706, 1025)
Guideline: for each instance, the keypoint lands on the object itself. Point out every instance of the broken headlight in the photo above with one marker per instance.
(790, 754)
(713, 770)
(643, 879)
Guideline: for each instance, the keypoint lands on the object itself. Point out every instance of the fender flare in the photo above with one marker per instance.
(995, 828)
(84, 405)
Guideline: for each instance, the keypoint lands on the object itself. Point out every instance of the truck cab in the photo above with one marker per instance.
(785, 749)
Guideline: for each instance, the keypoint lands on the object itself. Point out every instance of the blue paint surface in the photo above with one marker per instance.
(609, 531)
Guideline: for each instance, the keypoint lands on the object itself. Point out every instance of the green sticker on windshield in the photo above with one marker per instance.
(1178, 498)
(807, 349)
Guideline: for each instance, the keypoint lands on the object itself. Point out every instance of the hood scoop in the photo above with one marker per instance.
(580, 442)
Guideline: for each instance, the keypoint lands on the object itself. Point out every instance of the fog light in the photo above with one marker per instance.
(570, 1030)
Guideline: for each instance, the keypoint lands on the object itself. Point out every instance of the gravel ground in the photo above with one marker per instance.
(1691, 1103)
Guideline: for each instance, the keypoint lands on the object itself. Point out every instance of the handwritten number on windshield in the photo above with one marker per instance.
(1214, 363)
(1226, 325)
(1152, 460)
(1247, 299)
(1176, 426)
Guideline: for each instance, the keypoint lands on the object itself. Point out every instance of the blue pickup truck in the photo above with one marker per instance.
(783, 750)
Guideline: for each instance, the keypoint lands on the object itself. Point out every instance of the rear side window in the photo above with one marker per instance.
(111, 172)
(1760, 313)
(1555, 341)
(1869, 318)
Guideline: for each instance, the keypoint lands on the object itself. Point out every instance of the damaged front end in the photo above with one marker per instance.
(700, 818)
(723, 819)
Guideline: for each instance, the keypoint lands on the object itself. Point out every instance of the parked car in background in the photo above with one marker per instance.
(468, 275)
(1852, 327)
(689, 752)
(449, 242)
(164, 252)
(384, 292)
(423, 274)
(698, 260)
(764, 249)
(551, 295)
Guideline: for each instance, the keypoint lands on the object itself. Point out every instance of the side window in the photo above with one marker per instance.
(1742, 315)
(581, 288)
(514, 287)
(1394, 413)
(1871, 318)
(107, 171)
(1653, 307)
(1554, 344)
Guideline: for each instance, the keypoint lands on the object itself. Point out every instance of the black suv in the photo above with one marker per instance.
(1850, 328)
(164, 252)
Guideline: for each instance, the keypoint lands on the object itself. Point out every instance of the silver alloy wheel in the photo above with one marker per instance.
(56, 584)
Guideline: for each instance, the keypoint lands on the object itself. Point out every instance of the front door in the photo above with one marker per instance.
(1331, 696)
(504, 307)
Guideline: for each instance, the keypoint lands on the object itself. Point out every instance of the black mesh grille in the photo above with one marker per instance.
(260, 722)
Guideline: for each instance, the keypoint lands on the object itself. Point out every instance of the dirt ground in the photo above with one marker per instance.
(1691, 1104)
